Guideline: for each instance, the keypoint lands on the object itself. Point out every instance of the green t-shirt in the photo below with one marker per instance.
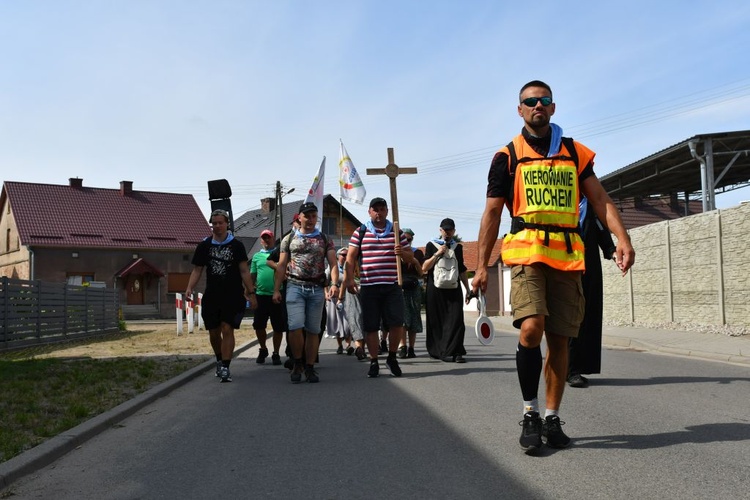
(264, 280)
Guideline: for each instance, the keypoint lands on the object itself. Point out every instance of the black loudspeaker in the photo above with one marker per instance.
(219, 189)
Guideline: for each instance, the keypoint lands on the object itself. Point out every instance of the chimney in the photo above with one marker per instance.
(267, 204)
(126, 188)
(75, 182)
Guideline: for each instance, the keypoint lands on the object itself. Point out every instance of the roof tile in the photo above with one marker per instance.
(65, 216)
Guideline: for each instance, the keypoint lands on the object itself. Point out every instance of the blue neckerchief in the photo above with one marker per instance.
(555, 140)
(440, 241)
(229, 238)
(388, 228)
(297, 232)
(583, 206)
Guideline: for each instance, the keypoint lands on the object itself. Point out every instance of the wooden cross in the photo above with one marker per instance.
(392, 171)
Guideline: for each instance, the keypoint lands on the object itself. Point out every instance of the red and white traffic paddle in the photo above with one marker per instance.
(484, 329)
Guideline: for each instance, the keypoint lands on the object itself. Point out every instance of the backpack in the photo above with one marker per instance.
(445, 274)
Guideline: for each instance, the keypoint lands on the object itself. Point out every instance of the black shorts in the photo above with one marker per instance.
(268, 309)
(381, 303)
(216, 310)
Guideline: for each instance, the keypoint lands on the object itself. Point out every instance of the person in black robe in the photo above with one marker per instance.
(445, 329)
(585, 351)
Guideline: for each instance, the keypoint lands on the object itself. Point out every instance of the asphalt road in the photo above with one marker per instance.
(651, 426)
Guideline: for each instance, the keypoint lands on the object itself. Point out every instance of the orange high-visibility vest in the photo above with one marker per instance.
(546, 193)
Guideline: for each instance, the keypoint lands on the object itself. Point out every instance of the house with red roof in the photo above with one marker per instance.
(139, 242)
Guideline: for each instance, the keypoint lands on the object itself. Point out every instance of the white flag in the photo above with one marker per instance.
(352, 188)
(315, 194)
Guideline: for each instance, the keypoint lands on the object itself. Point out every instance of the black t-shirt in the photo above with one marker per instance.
(222, 263)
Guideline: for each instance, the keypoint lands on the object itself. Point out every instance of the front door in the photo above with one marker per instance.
(135, 289)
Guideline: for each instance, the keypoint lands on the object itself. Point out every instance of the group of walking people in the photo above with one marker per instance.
(560, 215)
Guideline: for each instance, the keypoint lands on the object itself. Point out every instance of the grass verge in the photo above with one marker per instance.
(45, 393)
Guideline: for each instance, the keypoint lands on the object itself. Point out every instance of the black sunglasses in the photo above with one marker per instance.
(531, 101)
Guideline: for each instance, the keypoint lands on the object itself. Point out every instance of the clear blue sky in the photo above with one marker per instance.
(171, 94)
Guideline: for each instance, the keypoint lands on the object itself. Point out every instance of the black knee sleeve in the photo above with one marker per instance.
(529, 367)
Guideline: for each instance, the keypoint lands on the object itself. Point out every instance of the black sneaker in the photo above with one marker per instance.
(340, 350)
(296, 376)
(410, 353)
(552, 430)
(262, 355)
(383, 349)
(392, 364)
(311, 375)
(402, 352)
(349, 351)
(275, 359)
(577, 380)
(225, 375)
(531, 434)
(360, 353)
(289, 364)
(374, 369)
(218, 368)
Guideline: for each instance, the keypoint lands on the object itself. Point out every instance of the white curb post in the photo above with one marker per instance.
(199, 312)
(189, 314)
(178, 308)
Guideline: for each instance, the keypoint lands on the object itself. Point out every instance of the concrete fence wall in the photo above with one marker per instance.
(692, 270)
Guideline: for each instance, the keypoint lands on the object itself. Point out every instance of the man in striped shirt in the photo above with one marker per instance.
(381, 296)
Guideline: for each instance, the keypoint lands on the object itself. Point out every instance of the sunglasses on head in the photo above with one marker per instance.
(531, 101)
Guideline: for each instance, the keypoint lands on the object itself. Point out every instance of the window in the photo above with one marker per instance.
(329, 225)
(79, 279)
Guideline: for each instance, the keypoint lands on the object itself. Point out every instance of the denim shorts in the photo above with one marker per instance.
(304, 307)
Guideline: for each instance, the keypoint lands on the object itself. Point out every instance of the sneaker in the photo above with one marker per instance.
(402, 352)
(460, 359)
(225, 375)
(383, 349)
(218, 368)
(296, 376)
(531, 434)
(374, 369)
(349, 351)
(340, 350)
(289, 364)
(577, 380)
(360, 353)
(392, 364)
(275, 359)
(311, 375)
(262, 355)
(552, 430)
(410, 353)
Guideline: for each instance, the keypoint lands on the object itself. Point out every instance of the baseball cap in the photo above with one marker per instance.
(447, 224)
(342, 251)
(266, 232)
(378, 201)
(307, 207)
(408, 231)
